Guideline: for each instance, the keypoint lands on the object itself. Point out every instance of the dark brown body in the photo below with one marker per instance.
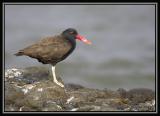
(49, 50)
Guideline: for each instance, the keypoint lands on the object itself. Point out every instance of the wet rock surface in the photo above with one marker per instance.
(32, 89)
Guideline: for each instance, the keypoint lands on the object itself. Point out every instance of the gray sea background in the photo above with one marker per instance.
(122, 54)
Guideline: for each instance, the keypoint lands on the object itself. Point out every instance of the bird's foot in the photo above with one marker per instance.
(58, 83)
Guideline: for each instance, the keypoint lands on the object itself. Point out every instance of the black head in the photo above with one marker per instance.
(70, 32)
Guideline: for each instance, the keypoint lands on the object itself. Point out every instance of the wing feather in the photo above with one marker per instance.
(48, 49)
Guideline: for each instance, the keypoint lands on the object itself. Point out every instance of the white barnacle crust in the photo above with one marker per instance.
(28, 87)
(150, 103)
(59, 106)
(21, 108)
(153, 102)
(25, 91)
(70, 99)
(74, 109)
(17, 74)
(11, 73)
(40, 89)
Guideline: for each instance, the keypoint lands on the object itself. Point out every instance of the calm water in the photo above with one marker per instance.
(122, 54)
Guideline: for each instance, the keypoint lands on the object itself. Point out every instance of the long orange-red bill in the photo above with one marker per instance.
(81, 38)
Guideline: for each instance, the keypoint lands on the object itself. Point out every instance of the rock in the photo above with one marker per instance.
(45, 94)
(140, 95)
(73, 87)
(32, 89)
(12, 93)
(22, 93)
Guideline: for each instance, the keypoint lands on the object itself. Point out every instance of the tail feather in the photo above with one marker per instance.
(20, 53)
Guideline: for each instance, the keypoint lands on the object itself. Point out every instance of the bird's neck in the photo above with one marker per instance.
(73, 46)
(72, 41)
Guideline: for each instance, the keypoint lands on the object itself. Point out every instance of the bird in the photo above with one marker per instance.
(54, 49)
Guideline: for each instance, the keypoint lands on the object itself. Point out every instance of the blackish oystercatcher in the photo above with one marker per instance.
(51, 50)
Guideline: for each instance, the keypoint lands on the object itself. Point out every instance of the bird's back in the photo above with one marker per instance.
(49, 50)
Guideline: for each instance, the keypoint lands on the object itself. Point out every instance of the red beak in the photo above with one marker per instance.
(81, 38)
